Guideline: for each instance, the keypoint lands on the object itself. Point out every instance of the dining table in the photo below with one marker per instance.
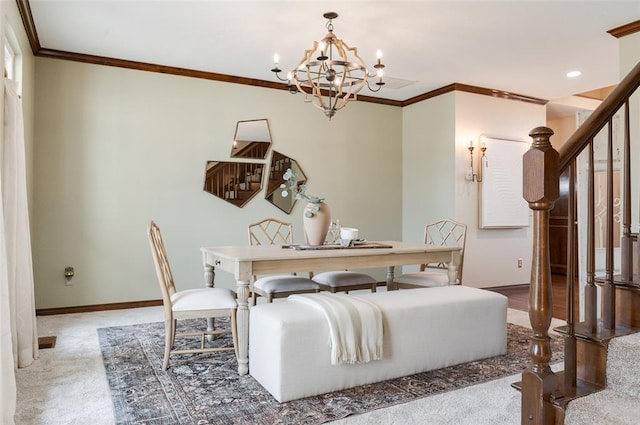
(244, 262)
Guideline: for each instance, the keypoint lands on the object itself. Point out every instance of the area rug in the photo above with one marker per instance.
(205, 389)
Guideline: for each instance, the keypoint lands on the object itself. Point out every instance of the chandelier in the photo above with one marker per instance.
(331, 73)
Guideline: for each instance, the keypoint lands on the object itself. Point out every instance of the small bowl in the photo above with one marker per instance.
(348, 233)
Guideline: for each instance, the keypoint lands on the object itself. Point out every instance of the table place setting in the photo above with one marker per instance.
(358, 245)
(339, 238)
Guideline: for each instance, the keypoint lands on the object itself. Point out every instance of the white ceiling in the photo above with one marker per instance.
(523, 47)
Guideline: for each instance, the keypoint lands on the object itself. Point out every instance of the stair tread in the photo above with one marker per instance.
(601, 334)
(581, 389)
(561, 397)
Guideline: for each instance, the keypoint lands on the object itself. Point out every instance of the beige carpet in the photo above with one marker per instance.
(67, 384)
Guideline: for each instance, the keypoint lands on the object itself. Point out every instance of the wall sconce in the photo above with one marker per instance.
(471, 175)
(69, 272)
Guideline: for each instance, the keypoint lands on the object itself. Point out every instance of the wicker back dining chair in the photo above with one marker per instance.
(272, 231)
(189, 304)
(443, 232)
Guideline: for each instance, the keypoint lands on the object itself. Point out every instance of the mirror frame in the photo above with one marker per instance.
(277, 167)
(250, 137)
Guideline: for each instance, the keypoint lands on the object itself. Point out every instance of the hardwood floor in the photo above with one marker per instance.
(519, 296)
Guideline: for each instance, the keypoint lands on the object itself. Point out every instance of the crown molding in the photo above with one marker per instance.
(38, 50)
(29, 26)
(476, 90)
(627, 29)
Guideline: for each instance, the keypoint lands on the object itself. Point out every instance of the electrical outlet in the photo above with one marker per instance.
(519, 263)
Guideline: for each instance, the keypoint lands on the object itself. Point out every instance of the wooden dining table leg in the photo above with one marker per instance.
(209, 277)
(390, 275)
(452, 268)
(242, 320)
(242, 316)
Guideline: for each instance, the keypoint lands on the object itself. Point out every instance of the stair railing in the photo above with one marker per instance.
(542, 166)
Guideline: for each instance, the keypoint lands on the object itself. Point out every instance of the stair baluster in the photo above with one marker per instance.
(570, 352)
(591, 292)
(626, 245)
(608, 290)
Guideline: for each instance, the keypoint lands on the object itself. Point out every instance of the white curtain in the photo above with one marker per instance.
(7, 363)
(15, 255)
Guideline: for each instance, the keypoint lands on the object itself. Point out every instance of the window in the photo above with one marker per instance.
(12, 57)
(9, 60)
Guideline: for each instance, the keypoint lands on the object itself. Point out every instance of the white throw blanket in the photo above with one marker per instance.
(355, 326)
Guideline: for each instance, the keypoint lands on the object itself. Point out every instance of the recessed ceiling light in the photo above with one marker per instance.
(574, 74)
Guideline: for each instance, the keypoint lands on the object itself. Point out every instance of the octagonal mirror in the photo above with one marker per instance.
(234, 182)
(278, 166)
(252, 139)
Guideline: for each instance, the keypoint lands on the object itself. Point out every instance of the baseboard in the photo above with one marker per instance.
(111, 306)
(96, 307)
(507, 287)
(153, 303)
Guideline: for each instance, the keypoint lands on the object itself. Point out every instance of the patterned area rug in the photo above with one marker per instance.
(206, 389)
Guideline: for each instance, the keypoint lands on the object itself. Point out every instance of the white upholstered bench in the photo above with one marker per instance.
(424, 329)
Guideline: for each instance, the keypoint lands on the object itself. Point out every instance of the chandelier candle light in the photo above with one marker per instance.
(331, 72)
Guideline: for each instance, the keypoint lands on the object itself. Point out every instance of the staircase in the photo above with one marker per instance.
(600, 382)
(235, 182)
(250, 150)
(619, 402)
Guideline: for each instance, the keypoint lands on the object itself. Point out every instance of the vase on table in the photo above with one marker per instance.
(316, 221)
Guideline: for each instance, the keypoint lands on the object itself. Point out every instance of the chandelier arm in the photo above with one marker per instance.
(278, 76)
(380, 84)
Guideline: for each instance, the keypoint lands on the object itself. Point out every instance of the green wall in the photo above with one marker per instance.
(115, 148)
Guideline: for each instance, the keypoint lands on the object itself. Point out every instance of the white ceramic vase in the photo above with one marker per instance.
(316, 226)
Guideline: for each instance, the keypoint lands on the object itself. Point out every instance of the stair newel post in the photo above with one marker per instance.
(541, 190)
